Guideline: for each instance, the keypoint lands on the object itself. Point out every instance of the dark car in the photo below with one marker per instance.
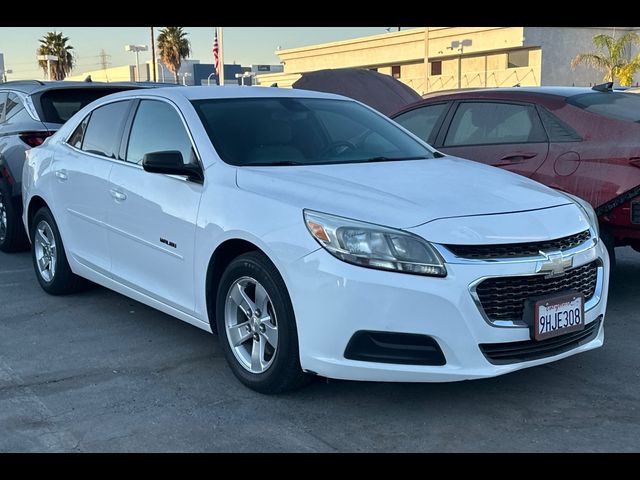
(382, 92)
(584, 141)
(31, 111)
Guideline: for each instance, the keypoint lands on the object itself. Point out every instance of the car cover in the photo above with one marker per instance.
(382, 92)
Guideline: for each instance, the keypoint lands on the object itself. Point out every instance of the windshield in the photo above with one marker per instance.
(618, 105)
(302, 131)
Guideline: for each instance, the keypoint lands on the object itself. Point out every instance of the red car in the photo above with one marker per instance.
(585, 141)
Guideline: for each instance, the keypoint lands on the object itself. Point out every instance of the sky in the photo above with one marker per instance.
(243, 45)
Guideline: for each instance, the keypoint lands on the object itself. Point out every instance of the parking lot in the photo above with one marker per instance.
(99, 372)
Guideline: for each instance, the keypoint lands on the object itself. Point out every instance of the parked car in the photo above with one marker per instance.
(31, 111)
(583, 141)
(315, 236)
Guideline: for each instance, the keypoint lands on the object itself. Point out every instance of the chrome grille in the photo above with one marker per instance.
(511, 250)
(503, 298)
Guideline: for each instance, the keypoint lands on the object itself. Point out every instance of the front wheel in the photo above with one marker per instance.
(49, 258)
(257, 326)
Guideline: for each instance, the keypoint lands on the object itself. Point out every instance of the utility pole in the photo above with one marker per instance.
(153, 54)
(104, 62)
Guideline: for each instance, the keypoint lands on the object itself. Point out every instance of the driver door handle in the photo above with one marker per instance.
(62, 175)
(118, 196)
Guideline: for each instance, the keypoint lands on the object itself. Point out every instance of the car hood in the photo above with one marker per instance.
(401, 194)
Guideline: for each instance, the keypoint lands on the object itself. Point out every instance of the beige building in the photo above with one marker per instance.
(441, 58)
(127, 73)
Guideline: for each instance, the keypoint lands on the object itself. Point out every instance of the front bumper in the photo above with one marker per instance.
(333, 300)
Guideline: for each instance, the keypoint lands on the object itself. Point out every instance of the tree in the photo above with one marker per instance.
(53, 43)
(613, 57)
(173, 46)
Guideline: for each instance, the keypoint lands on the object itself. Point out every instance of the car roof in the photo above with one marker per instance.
(553, 93)
(232, 91)
(558, 91)
(36, 86)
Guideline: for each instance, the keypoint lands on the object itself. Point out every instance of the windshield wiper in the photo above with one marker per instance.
(391, 159)
(275, 163)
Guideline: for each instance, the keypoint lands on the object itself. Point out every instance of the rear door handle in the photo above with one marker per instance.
(62, 175)
(118, 196)
(518, 156)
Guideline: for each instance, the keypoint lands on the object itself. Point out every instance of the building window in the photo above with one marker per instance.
(395, 71)
(518, 58)
(436, 68)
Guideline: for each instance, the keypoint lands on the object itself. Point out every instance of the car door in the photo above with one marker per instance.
(80, 189)
(502, 134)
(152, 217)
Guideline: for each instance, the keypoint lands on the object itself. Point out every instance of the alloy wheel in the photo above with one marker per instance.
(45, 250)
(251, 325)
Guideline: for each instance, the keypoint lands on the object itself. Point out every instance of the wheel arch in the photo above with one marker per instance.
(220, 259)
(35, 203)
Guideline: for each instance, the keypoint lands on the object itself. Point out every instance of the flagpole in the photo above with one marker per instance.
(221, 56)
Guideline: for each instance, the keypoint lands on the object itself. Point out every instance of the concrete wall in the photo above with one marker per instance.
(284, 80)
(560, 45)
(125, 73)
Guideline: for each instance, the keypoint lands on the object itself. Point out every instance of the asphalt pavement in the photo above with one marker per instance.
(101, 373)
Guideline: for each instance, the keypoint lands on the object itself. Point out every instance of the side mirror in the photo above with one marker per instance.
(170, 163)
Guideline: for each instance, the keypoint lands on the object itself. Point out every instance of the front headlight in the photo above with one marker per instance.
(587, 209)
(374, 246)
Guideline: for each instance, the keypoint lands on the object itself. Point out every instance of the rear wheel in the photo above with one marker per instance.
(12, 235)
(49, 259)
(257, 327)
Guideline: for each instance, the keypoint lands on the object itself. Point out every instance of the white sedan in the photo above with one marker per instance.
(315, 235)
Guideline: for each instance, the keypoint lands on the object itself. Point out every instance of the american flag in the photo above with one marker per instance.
(216, 52)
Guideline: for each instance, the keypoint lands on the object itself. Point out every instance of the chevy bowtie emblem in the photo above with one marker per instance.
(555, 263)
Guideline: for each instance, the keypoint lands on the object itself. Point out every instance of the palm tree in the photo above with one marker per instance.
(54, 43)
(613, 57)
(173, 46)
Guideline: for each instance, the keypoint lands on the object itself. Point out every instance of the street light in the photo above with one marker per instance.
(244, 75)
(137, 49)
(460, 44)
(209, 78)
(48, 59)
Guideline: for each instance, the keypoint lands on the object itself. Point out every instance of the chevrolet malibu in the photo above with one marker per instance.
(315, 236)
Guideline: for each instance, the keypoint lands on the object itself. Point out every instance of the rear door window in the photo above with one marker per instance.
(485, 123)
(104, 129)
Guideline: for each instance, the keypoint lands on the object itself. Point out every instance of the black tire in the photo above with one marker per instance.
(63, 281)
(284, 373)
(610, 243)
(13, 238)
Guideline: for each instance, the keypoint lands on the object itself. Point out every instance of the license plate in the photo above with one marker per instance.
(554, 316)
